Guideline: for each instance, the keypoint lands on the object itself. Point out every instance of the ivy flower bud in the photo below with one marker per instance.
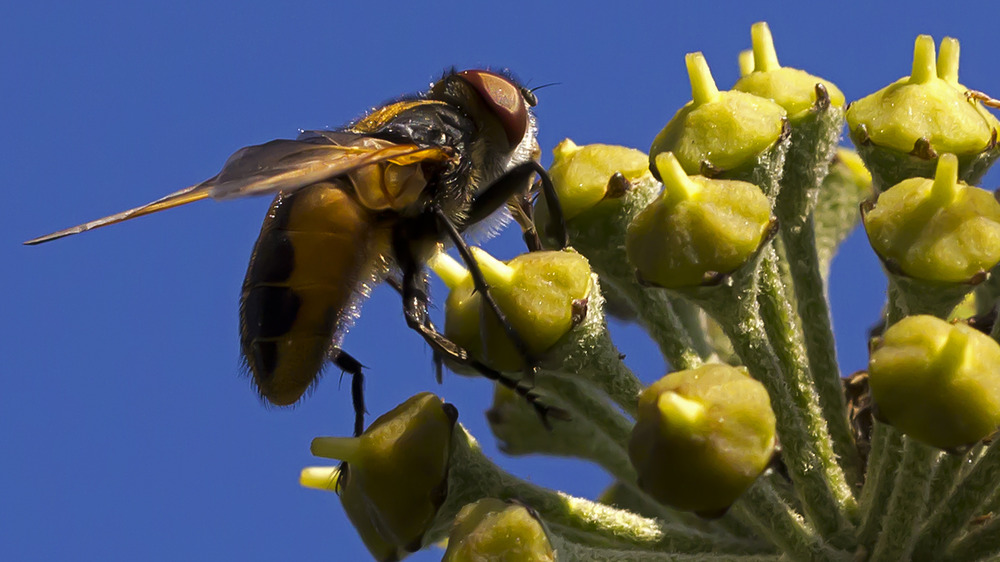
(543, 295)
(580, 175)
(718, 131)
(496, 531)
(702, 437)
(333, 479)
(900, 129)
(791, 88)
(697, 229)
(816, 118)
(398, 468)
(622, 178)
(936, 230)
(937, 382)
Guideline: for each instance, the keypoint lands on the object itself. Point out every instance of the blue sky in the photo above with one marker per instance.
(125, 429)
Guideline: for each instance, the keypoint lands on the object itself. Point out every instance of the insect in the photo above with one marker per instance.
(983, 97)
(367, 203)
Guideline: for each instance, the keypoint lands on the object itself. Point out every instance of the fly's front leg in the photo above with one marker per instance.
(557, 224)
(520, 207)
(530, 364)
(415, 305)
(516, 181)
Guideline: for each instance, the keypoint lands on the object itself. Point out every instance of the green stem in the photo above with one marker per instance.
(628, 496)
(995, 330)
(992, 505)
(887, 444)
(588, 403)
(821, 349)
(779, 322)
(597, 432)
(895, 309)
(946, 473)
(801, 429)
(763, 509)
(588, 355)
(951, 516)
(980, 544)
(906, 504)
(988, 292)
(472, 476)
(656, 312)
(568, 550)
(690, 316)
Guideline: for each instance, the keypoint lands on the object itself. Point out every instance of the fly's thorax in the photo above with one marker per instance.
(384, 117)
(314, 258)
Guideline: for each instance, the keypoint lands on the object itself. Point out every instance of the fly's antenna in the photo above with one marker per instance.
(536, 88)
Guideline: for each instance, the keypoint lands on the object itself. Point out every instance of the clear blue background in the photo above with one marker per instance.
(125, 429)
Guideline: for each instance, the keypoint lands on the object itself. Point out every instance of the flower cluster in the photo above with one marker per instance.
(718, 242)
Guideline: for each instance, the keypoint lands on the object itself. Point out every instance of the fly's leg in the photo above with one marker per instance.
(524, 215)
(352, 366)
(557, 226)
(483, 288)
(415, 305)
(516, 181)
(424, 294)
(348, 364)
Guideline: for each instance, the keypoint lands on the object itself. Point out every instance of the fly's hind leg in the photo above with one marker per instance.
(352, 366)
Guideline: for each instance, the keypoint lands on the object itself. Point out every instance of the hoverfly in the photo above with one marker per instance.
(360, 205)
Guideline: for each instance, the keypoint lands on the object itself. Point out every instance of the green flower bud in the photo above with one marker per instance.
(333, 479)
(462, 308)
(816, 118)
(718, 131)
(543, 295)
(936, 230)
(491, 530)
(581, 175)
(937, 382)
(697, 229)
(900, 129)
(599, 233)
(792, 89)
(702, 437)
(398, 468)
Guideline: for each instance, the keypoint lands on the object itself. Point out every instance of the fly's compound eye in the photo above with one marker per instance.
(504, 98)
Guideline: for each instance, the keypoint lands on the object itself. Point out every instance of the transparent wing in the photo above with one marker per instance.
(279, 165)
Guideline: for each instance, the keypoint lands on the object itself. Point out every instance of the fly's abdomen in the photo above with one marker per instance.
(307, 273)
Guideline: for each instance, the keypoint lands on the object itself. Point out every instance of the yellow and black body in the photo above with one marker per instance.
(358, 205)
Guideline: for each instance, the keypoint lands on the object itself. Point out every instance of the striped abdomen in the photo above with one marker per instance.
(309, 269)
